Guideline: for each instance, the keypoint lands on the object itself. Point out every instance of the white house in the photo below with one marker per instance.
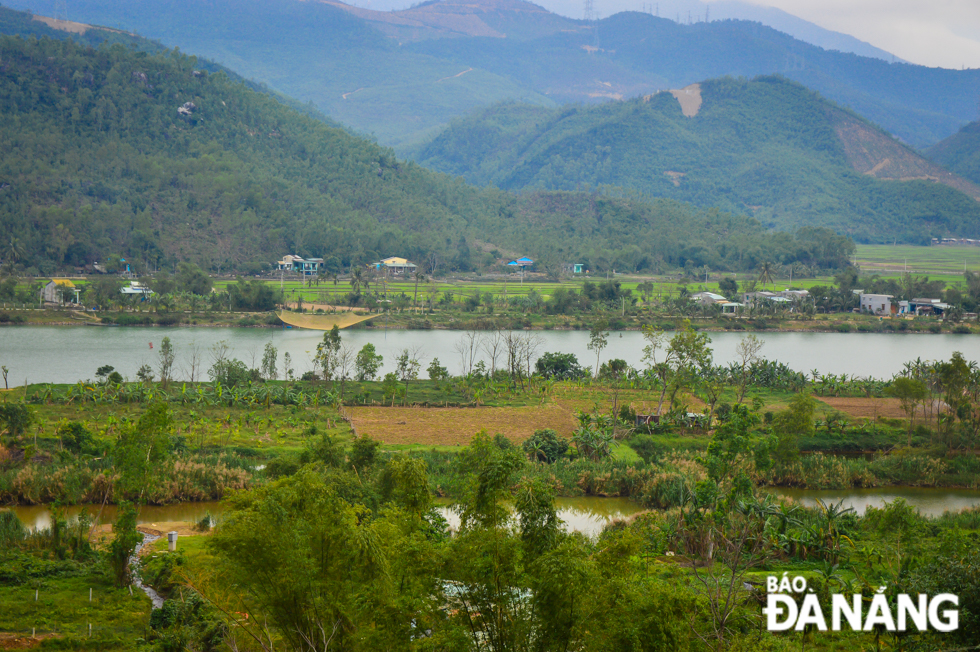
(876, 304)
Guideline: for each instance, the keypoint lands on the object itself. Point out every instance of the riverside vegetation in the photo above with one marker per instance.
(331, 542)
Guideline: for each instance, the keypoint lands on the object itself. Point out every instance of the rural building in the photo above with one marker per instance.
(396, 265)
(922, 306)
(136, 288)
(59, 290)
(708, 298)
(304, 266)
(877, 304)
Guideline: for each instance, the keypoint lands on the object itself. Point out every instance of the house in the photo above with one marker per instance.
(396, 265)
(784, 297)
(708, 298)
(304, 266)
(136, 288)
(59, 290)
(877, 304)
(922, 306)
(577, 268)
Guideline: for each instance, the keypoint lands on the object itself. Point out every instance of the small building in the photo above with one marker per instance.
(923, 306)
(135, 288)
(396, 265)
(877, 304)
(577, 268)
(708, 298)
(299, 265)
(60, 291)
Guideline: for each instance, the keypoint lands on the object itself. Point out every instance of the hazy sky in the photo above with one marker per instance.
(929, 32)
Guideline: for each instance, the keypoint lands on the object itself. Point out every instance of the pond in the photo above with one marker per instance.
(67, 354)
(929, 502)
(586, 515)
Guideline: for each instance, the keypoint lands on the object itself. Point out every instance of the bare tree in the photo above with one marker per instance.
(467, 347)
(344, 366)
(193, 367)
(493, 346)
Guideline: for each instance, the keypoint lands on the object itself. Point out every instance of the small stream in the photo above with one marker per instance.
(134, 564)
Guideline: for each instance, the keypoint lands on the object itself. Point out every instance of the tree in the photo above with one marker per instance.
(560, 366)
(125, 538)
(728, 287)
(436, 371)
(190, 278)
(167, 357)
(16, 418)
(767, 270)
(327, 351)
(598, 339)
(368, 363)
(747, 351)
(684, 358)
(270, 365)
(791, 424)
(910, 392)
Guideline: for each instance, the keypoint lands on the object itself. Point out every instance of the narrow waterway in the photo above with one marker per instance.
(67, 354)
(929, 502)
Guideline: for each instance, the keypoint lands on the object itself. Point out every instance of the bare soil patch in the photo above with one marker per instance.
(456, 426)
(869, 408)
(11, 641)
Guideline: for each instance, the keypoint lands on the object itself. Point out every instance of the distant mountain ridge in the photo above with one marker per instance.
(402, 76)
(768, 147)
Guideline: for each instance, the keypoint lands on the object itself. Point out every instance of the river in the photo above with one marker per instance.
(67, 354)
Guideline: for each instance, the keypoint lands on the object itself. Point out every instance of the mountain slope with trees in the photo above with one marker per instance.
(117, 151)
(401, 75)
(960, 152)
(768, 147)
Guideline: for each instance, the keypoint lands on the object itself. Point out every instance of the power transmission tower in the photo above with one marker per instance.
(591, 17)
(61, 10)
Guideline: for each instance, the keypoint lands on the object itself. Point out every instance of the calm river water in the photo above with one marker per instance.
(67, 354)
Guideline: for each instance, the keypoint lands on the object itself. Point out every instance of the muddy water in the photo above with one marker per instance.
(586, 515)
(929, 502)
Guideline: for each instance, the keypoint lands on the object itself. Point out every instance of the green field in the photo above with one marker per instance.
(941, 261)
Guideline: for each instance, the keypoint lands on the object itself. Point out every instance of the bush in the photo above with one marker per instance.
(75, 437)
(843, 328)
(12, 530)
(545, 445)
(279, 467)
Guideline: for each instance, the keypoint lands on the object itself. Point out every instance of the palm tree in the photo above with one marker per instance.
(15, 249)
(356, 279)
(766, 271)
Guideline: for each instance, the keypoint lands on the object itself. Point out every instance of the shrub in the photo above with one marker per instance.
(545, 445)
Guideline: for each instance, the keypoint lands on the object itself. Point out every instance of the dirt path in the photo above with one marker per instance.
(459, 74)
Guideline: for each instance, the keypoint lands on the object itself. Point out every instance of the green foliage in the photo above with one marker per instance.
(231, 373)
(559, 366)
(363, 453)
(767, 147)
(791, 424)
(368, 363)
(125, 538)
(75, 437)
(16, 418)
(545, 445)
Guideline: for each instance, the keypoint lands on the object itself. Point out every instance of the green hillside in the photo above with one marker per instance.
(119, 151)
(767, 147)
(960, 152)
(402, 75)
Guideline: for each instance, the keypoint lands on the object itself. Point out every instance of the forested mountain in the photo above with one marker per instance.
(120, 151)
(768, 147)
(960, 152)
(402, 75)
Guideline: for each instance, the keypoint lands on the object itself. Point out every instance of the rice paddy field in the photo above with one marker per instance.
(945, 262)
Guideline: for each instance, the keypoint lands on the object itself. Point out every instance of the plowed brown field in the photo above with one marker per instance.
(868, 408)
(456, 426)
